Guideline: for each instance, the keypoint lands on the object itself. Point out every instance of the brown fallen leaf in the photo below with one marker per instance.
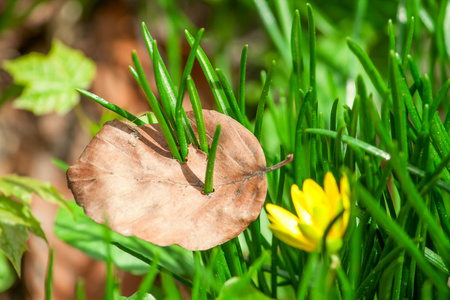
(127, 176)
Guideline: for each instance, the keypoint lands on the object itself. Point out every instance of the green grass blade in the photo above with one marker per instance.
(170, 288)
(312, 52)
(166, 94)
(369, 67)
(399, 106)
(306, 275)
(272, 28)
(49, 279)
(197, 108)
(300, 172)
(242, 71)
(112, 107)
(408, 42)
(400, 236)
(182, 124)
(262, 101)
(230, 96)
(198, 289)
(296, 48)
(79, 290)
(208, 188)
(211, 77)
(149, 278)
(165, 128)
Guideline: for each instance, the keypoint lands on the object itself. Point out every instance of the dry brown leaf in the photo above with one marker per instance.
(127, 175)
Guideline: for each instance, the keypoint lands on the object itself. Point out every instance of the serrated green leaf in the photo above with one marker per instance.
(15, 213)
(23, 187)
(13, 243)
(50, 80)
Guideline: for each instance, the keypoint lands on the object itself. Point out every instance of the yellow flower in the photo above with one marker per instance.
(316, 208)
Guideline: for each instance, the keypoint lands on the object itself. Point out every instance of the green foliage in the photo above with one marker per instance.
(49, 81)
(386, 132)
(16, 217)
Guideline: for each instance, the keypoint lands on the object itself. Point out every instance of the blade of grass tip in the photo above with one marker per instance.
(197, 108)
(112, 107)
(408, 43)
(262, 101)
(369, 67)
(49, 279)
(230, 96)
(241, 87)
(165, 77)
(149, 278)
(180, 114)
(399, 106)
(208, 188)
(391, 34)
(415, 74)
(163, 70)
(272, 28)
(156, 108)
(367, 130)
(312, 51)
(296, 48)
(211, 77)
(307, 273)
(163, 87)
(60, 164)
(300, 172)
(400, 236)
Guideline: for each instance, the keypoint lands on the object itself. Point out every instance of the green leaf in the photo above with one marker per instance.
(50, 80)
(240, 289)
(7, 275)
(23, 187)
(84, 234)
(13, 243)
(15, 213)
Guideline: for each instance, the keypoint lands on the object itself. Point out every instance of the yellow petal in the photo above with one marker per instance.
(284, 226)
(299, 199)
(280, 215)
(331, 190)
(297, 241)
(303, 215)
(313, 193)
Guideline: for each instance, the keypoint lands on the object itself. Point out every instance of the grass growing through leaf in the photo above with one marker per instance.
(397, 243)
(391, 140)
